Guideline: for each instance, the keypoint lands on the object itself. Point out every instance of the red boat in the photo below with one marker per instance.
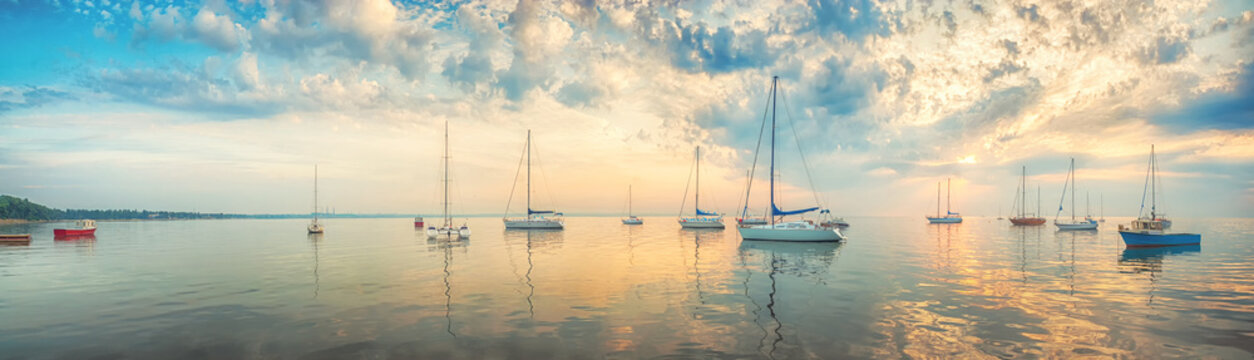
(81, 228)
(1027, 220)
(418, 222)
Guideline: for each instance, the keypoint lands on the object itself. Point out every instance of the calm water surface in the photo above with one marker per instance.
(375, 288)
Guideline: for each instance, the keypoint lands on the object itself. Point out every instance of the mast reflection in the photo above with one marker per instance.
(534, 239)
(314, 240)
(810, 261)
(1150, 261)
(446, 246)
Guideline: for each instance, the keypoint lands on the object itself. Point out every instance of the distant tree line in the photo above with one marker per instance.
(17, 208)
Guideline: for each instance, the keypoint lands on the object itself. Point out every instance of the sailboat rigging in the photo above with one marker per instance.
(778, 230)
(1088, 223)
(447, 228)
(701, 219)
(314, 227)
(535, 219)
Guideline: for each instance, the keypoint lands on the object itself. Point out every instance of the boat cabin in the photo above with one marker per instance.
(85, 224)
(1144, 225)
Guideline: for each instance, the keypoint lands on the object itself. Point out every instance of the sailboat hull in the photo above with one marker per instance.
(793, 232)
(1028, 221)
(633, 221)
(1083, 225)
(534, 224)
(944, 220)
(432, 232)
(1153, 239)
(701, 223)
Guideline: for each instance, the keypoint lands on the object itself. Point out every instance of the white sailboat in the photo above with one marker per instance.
(778, 230)
(447, 229)
(631, 219)
(701, 219)
(535, 219)
(1088, 223)
(314, 227)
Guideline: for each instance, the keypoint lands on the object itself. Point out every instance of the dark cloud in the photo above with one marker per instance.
(1030, 13)
(856, 19)
(1164, 50)
(579, 94)
(467, 72)
(33, 96)
(843, 90)
(1004, 68)
(180, 88)
(697, 48)
(1215, 110)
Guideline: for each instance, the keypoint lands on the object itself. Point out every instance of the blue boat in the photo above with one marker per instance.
(1134, 239)
(1151, 230)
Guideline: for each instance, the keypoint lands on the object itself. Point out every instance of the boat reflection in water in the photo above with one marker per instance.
(807, 261)
(446, 246)
(1150, 261)
(1140, 260)
(532, 240)
(314, 240)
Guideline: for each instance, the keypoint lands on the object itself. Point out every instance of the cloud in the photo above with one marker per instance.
(30, 97)
(218, 31)
(856, 19)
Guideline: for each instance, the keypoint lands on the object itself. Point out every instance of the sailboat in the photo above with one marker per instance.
(631, 219)
(950, 216)
(1022, 201)
(314, 226)
(1149, 231)
(778, 230)
(447, 229)
(1103, 208)
(701, 219)
(535, 219)
(1088, 223)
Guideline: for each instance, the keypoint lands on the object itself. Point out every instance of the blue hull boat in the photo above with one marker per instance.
(944, 220)
(1148, 239)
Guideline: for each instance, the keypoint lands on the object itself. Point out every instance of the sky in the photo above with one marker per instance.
(227, 106)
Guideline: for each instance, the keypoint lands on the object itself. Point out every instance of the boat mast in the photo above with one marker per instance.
(938, 199)
(1023, 193)
(774, 104)
(696, 201)
(629, 201)
(947, 211)
(448, 220)
(1038, 200)
(528, 173)
(1153, 184)
(1072, 190)
(315, 192)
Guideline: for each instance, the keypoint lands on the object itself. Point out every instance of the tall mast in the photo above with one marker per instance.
(1038, 200)
(1073, 190)
(528, 173)
(1023, 193)
(774, 103)
(1153, 184)
(315, 209)
(629, 201)
(696, 202)
(448, 221)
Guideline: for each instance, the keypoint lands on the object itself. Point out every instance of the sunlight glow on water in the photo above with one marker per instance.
(377, 288)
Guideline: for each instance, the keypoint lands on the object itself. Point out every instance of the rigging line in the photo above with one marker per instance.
(688, 182)
(548, 191)
(515, 184)
(757, 151)
(805, 165)
(1145, 187)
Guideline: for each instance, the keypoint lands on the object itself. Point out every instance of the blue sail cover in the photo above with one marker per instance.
(952, 213)
(706, 213)
(533, 212)
(777, 212)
